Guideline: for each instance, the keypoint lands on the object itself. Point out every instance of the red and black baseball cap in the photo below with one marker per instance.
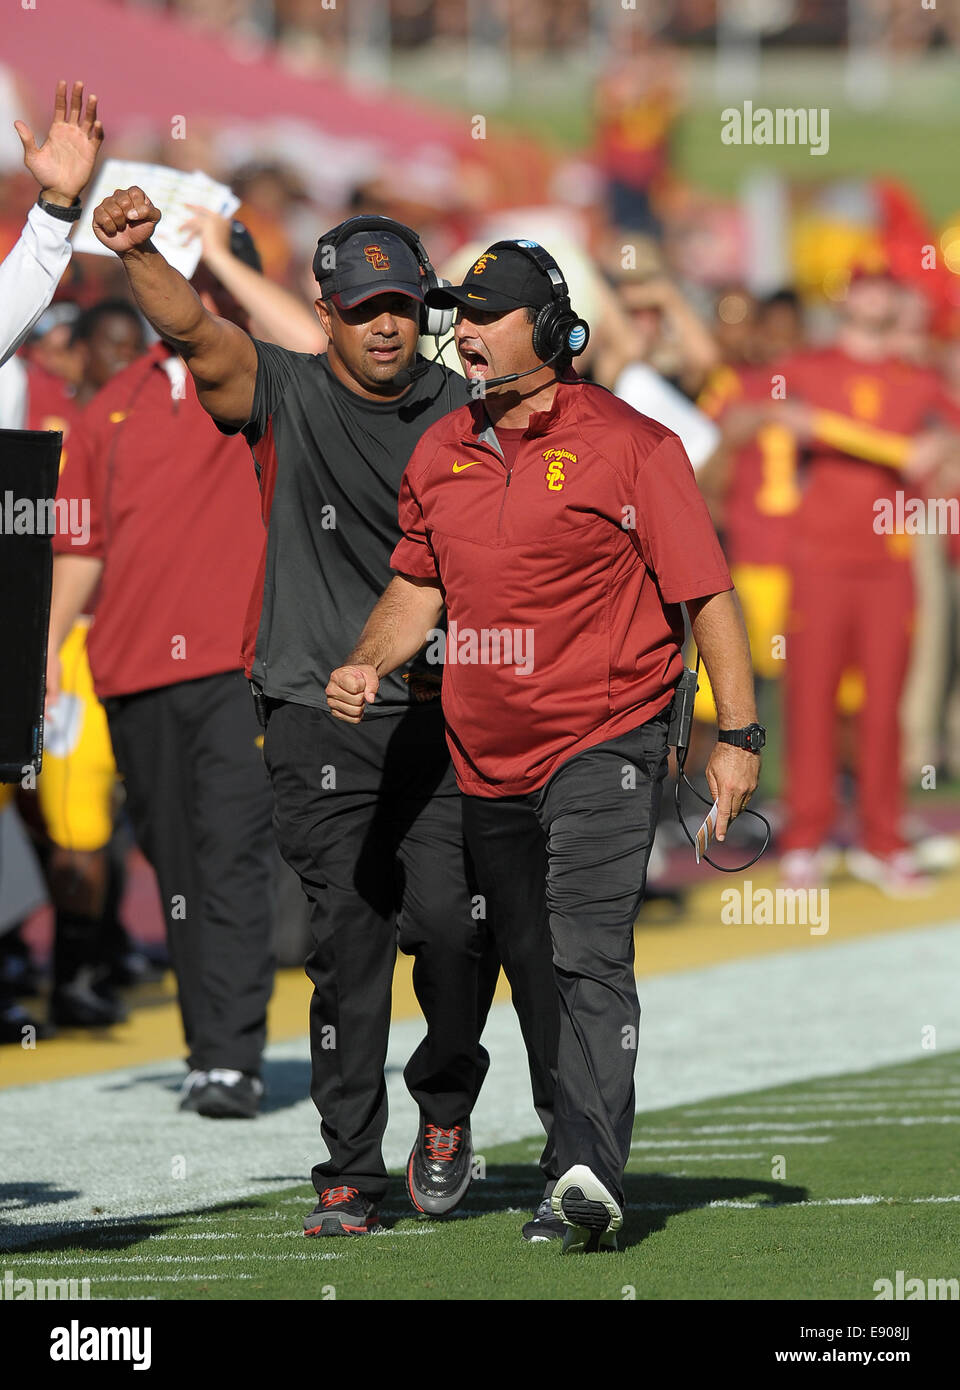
(367, 264)
(501, 279)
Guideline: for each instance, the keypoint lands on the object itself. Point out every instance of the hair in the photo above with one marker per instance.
(88, 321)
(531, 311)
(786, 297)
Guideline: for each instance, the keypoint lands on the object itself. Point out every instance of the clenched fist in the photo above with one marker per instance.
(125, 220)
(351, 688)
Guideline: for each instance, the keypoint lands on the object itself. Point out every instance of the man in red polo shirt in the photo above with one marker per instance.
(564, 530)
(174, 538)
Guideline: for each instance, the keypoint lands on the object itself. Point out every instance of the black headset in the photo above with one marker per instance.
(435, 322)
(558, 330)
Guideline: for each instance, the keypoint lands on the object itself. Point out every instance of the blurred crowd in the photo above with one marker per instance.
(312, 27)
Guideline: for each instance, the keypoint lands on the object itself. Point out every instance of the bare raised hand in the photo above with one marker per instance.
(62, 165)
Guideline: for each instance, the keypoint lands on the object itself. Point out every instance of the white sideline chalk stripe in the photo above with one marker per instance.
(13, 1258)
(819, 1097)
(703, 1158)
(863, 1201)
(165, 1278)
(839, 1124)
(791, 1109)
(824, 1124)
(879, 1082)
(753, 1139)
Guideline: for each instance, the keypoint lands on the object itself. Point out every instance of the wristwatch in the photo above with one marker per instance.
(753, 737)
(70, 214)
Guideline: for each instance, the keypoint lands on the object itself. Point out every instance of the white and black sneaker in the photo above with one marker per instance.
(193, 1084)
(440, 1167)
(544, 1225)
(227, 1095)
(590, 1214)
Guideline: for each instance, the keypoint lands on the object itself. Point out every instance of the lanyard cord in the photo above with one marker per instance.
(682, 750)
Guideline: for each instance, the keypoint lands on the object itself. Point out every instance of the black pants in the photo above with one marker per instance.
(563, 870)
(369, 817)
(199, 800)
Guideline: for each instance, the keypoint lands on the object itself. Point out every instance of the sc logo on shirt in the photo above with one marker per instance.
(555, 459)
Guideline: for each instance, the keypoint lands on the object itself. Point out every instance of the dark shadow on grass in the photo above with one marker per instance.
(117, 1233)
(286, 1082)
(15, 1196)
(651, 1198)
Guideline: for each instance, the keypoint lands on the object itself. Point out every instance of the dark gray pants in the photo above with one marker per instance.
(199, 800)
(563, 871)
(369, 818)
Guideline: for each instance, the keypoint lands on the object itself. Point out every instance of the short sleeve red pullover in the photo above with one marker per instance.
(174, 513)
(563, 578)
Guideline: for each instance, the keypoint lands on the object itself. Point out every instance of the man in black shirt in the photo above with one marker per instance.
(372, 826)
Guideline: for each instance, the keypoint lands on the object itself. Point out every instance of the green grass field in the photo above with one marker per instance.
(808, 1191)
(907, 135)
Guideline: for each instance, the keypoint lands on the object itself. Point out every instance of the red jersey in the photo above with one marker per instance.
(563, 578)
(50, 405)
(636, 112)
(762, 492)
(175, 516)
(872, 411)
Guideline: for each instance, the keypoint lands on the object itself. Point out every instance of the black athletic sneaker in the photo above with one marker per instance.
(544, 1226)
(341, 1211)
(440, 1167)
(591, 1215)
(226, 1095)
(85, 1002)
(192, 1089)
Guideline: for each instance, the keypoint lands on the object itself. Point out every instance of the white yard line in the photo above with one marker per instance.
(863, 1201)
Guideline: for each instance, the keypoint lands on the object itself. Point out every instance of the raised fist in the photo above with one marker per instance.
(125, 220)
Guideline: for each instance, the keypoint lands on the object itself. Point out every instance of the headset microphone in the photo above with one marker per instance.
(406, 375)
(515, 376)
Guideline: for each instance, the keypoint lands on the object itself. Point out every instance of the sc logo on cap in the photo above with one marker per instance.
(377, 258)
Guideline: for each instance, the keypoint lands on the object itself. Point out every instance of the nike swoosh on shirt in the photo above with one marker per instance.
(459, 467)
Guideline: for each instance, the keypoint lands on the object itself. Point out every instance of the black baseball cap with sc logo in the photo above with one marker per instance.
(498, 281)
(365, 264)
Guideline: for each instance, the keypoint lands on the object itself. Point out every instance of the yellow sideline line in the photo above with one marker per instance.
(697, 938)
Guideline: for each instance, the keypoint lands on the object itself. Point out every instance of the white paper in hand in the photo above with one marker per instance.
(707, 831)
(171, 190)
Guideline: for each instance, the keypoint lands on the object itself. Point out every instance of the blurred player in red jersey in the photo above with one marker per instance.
(636, 104)
(751, 483)
(858, 411)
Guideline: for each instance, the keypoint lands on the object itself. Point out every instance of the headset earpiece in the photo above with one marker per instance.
(578, 335)
(559, 330)
(436, 323)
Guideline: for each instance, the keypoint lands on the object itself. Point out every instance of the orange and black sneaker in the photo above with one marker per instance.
(341, 1211)
(440, 1167)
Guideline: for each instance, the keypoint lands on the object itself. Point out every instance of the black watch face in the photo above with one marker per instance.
(756, 738)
